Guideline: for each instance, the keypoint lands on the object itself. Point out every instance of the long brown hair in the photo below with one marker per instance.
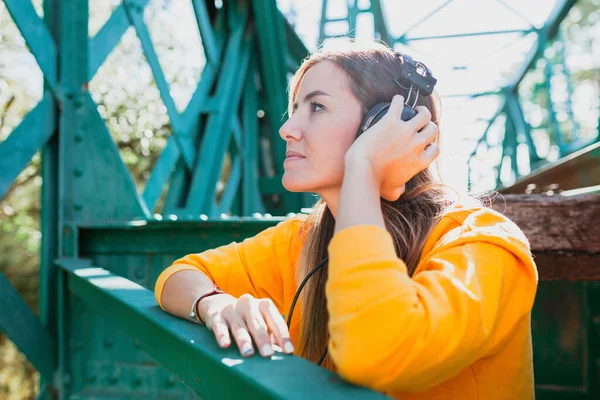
(370, 73)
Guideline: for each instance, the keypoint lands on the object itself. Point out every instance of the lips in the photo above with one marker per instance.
(293, 154)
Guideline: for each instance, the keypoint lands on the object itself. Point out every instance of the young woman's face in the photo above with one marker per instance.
(321, 128)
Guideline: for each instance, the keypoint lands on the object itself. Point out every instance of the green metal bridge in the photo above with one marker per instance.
(100, 333)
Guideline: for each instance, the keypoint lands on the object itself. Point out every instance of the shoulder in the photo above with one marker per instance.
(290, 228)
(469, 223)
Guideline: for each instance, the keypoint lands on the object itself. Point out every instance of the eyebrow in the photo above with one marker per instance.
(312, 94)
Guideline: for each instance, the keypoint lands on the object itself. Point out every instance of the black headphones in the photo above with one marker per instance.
(413, 73)
(418, 78)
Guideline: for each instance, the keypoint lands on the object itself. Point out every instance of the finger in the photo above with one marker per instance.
(396, 107)
(420, 120)
(394, 193)
(276, 325)
(259, 331)
(221, 331)
(239, 330)
(430, 153)
(427, 135)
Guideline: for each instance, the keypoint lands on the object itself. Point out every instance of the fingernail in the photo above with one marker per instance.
(247, 349)
(266, 350)
(223, 342)
(289, 347)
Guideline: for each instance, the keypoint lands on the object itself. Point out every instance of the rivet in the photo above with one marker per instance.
(77, 172)
(137, 380)
(139, 273)
(114, 378)
(77, 207)
(108, 342)
(78, 137)
(171, 380)
(66, 379)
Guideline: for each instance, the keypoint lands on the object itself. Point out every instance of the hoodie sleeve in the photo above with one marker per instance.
(252, 266)
(391, 332)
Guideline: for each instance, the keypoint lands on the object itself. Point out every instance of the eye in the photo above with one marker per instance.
(313, 106)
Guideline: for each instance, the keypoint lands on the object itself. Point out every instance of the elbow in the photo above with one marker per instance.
(354, 368)
(360, 362)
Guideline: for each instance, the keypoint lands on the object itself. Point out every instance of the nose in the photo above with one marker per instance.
(290, 130)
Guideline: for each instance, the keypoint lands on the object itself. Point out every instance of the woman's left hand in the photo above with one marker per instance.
(396, 150)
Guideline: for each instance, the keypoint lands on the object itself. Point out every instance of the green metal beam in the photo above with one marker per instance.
(273, 50)
(28, 138)
(135, 13)
(103, 43)
(21, 326)
(218, 129)
(38, 39)
(191, 352)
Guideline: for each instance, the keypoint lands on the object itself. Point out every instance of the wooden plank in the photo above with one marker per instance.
(564, 233)
(571, 266)
(555, 223)
(579, 169)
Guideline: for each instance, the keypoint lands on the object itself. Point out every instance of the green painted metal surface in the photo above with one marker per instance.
(104, 302)
(19, 323)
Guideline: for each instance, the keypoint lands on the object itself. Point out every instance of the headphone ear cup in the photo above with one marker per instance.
(372, 116)
(377, 112)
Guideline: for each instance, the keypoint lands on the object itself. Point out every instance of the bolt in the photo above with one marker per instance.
(139, 273)
(171, 380)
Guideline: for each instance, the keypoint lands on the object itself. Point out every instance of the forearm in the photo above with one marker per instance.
(360, 199)
(182, 289)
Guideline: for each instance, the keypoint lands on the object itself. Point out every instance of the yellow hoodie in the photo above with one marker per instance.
(458, 329)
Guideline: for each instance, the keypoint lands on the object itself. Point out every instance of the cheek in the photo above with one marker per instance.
(334, 146)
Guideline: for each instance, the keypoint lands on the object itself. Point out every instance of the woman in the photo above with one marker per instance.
(421, 297)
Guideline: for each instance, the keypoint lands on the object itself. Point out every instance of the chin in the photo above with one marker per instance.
(296, 185)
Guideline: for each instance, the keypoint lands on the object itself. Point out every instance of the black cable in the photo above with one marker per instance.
(289, 320)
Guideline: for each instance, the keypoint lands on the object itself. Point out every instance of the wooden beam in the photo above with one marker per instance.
(564, 232)
(579, 169)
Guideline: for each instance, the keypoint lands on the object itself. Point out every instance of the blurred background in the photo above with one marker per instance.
(476, 49)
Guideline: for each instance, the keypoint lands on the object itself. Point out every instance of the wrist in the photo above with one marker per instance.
(360, 170)
(204, 306)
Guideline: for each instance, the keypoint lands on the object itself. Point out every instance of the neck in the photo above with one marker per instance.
(331, 197)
